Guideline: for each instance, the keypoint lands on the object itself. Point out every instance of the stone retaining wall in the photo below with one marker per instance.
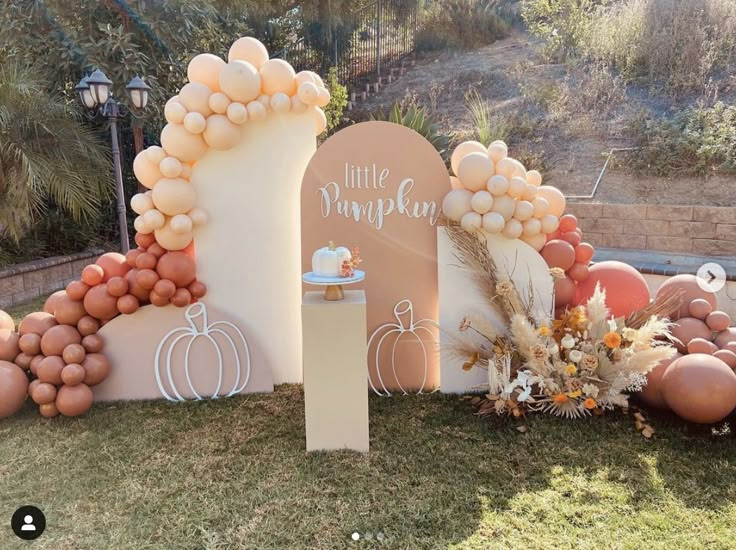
(26, 281)
(699, 230)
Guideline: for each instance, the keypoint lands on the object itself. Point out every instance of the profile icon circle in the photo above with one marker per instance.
(28, 522)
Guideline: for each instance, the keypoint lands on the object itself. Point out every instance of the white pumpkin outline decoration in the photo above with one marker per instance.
(333, 256)
(194, 311)
(403, 307)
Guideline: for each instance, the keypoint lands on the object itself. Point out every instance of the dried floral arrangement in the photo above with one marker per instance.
(579, 364)
(348, 267)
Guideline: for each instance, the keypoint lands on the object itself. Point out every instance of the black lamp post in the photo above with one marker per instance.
(95, 91)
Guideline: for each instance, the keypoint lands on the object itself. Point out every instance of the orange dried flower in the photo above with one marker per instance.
(612, 340)
(559, 398)
(590, 403)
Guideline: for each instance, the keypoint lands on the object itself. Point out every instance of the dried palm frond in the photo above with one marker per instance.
(664, 305)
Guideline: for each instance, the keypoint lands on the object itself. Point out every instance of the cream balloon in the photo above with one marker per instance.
(196, 97)
(530, 193)
(534, 178)
(256, 110)
(532, 227)
(457, 203)
(186, 171)
(474, 170)
(141, 203)
(198, 216)
(513, 229)
(482, 201)
(237, 113)
(248, 49)
(298, 106)
(166, 237)
(554, 197)
(455, 183)
(524, 210)
(504, 205)
(323, 98)
(174, 196)
(497, 185)
(240, 81)
(317, 79)
(181, 144)
(265, 99)
(305, 76)
(181, 224)
(493, 222)
(140, 226)
(537, 241)
(154, 219)
(174, 111)
(221, 134)
(205, 68)
(155, 154)
(170, 167)
(195, 123)
(320, 120)
(308, 93)
(219, 103)
(281, 103)
(277, 76)
(471, 221)
(517, 187)
(465, 148)
(520, 170)
(541, 207)
(146, 171)
(506, 167)
(497, 151)
(550, 223)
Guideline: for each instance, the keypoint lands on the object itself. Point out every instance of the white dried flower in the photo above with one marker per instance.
(568, 342)
(590, 390)
(576, 356)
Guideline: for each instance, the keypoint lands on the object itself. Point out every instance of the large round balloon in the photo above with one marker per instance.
(626, 289)
(687, 329)
(691, 286)
(177, 267)
(205, 68)
(37, 322)
(651, 394)
(48, 305)
(700, 388)
(74, 400)
(100, 304)
(182, 144)
(13, 388)
(57, 338)
(559, 253)
(6, 321)
(9, 344)
(113, 264)
(248, 49)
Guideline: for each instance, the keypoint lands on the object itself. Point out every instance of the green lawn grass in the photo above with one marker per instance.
(233, 473)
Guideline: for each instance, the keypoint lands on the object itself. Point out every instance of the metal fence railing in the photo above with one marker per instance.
(379, 36)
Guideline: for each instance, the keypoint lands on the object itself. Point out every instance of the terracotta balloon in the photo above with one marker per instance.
(33, 385)
(113, 264)
(718, 321)
(57, 338)
(48, 305)
(93, 343)
(554, 197)
(9, 345)
(181, 298)
(68, 311)
(578, 272)
(700, 388)
(144, 241)
(44, 393)
(48, 410)
(100, 304)
(559, 253)
(205, 68)
(128, 304)
(731, 346)
(97, 368)
(117, 286)
(165, 288)
(700, 309)
(157, 250)
(37, 322)
(727, 356)
(35, 362)
(197, 289)
(147, 278)
(626, 289)
(73, 353)
(135, 288)
(248, 49)
(564, 292)
(181, 144)
(651, 394)
(158, 301)
(30, 344)
(13, 388)
(76, 290)
(93, 274)
(23, 360)
(687, 329)
(74, 400)
(725, 337)
(571, 237)
(88, 325)
(73, 374)
(688, 284)
(568, 222)
(177, 267)
(701, 345)
(49, 370)
(146, 261)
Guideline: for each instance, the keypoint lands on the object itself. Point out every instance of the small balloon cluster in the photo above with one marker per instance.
(495, 193)
(210, 111)
(699, 383)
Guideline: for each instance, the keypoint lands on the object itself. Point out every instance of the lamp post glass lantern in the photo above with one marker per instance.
(95, 91)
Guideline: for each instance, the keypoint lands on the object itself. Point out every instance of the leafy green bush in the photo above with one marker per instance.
(338, 101)
(697, 141)
(412, 115)
(460, 24)
(563, 24)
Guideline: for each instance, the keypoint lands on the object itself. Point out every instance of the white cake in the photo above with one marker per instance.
(327, 261)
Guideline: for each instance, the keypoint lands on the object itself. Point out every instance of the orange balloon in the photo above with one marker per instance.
(74, 400)
(57, 338)
(93, 343)
(88, 325)
(559, 253)
(689, 285)
(32, 386)
(651, 394)
(132, 256)
(49, 370)
(48, 305)
(718, 321)
(35, 362)
(181, 298)
(727, 356)
(700, 388)
(9, 345)
(96, 367)
(573, 237)
(198, 289)
(726, 339)
(144, 241)
(626, 289)
(69, 311)
(177, 267)
(117, 286)
(76, 290)
(568, 222)
(584, 253)
(135, 288)
(44, 393)
(100, 304)
(113, 264)
(578, 272)
(687, 329)
(48, 410)
(146, 261)
(23, 360)
(165, 288)
(700, 309)
(13, 388)
(128, 304)
(73, 353)
(158, 301)
(157, 250)
(93, 274)
(30, 344)
(37, 322)
(147, 278)
(73, 374)
(564, 292)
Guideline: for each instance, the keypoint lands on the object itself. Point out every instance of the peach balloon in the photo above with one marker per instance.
(537, 241)
(141, 226)
(195, 123)
(725, 339)
(13, 388)
(248, 49)
(471, 221)
(482, 202)
(455, 183)
(181, 144)
(497, 151)
(277, 76)
(651, 393)
(541, 207)
(181, 223)
(220, 134)
(517, 187)
(513, 229)
(474, 171)
(281, 103)
(196, 98)
(497, 185)
(256, 110)
(308, 93)
(219, 103)
(727, 356)
(718, 321)
(464, 149)
(298, 106)
(113, 264)
(265, 100)
(171, 240)
(554, 197)
(626, 290)
(690, 286)
(504, 205)
(323, 99)
(565, 290)
(152, 220)
(524, 211)
(700, 388)
(534, 178)
(320, 120)
(493, 222)
(700, 309)
(198, 216)
(559, 253)
(74, 400)
(145, 170)
(141, 203)
(237, 113)
(306, 76)
(170, 167)
(48, 307)
(687, 329)
(37, 322)
(701, 345)
(530, 193)
(519, 170)
(100, 304)
(174, 111)
(205, 68)
(456, 203)
(49, 370)
(174, 196)
(9, 345)
(550, 223)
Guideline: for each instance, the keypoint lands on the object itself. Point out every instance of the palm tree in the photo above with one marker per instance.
(47, 155)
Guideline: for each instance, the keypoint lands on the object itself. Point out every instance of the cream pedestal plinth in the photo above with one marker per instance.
(335, 371)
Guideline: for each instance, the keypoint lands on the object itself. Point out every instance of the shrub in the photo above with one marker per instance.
(338, 101)
(696, 141)
(460, 24)
(412, 115)
(487, 126)
(563, 24)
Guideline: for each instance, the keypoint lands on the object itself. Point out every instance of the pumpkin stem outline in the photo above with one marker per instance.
(402, 308)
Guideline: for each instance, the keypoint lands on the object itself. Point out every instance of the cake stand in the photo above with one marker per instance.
(334, 290)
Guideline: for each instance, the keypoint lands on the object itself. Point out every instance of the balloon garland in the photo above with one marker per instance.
(59, 349)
